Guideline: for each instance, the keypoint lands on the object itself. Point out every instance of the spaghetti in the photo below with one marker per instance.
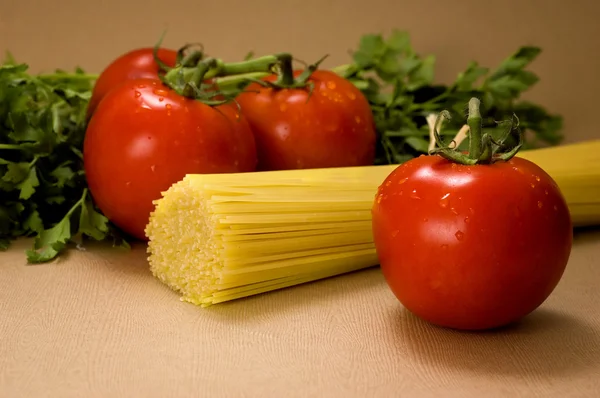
(220, 237)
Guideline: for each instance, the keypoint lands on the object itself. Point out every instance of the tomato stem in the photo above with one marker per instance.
(261, 64)
(191, 59)
(483, 147)
(474, 123)
(286, 72)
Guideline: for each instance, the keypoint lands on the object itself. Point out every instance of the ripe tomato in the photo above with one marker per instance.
(144, 137)
(135, 64)
(334, 127)
(471, 247)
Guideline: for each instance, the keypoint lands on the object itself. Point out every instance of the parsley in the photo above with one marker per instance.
(43, 191)
(399, 85)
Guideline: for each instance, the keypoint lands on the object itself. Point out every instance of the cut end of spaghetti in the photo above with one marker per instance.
(215, 238)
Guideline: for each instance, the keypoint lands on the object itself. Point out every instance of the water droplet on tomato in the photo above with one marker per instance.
(540, 204)
(379, 198)
(467, 220)
(142, 86)
(444, 247)
(402, 181)
(546, 192)
(425, 219)
(352, 96)
(444, 200)
(168, 106)
(414, 194)
(459, 235)
(128, 183)
(153, 168)
(468, 171)
(168, 113)
(388, 183)
(471, 210)
(160, 91)
(555, 208)
(137, 94)
(537, 178)
(331, 85)
(453, 210)
(161, 99)
(357, 119)
(532, 185)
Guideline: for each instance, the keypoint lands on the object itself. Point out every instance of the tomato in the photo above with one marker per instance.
(144, 137)
(134, 64)
(334, 127)
(471, 247)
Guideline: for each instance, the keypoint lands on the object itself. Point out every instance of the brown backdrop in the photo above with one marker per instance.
(66, 33)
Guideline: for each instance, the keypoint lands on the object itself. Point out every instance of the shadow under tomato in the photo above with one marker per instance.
(544, 343)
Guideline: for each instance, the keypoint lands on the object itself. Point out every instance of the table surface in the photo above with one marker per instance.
(97, 324)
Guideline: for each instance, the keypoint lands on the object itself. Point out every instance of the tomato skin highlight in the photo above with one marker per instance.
(332, 128)
(135, 64)
(144, 137)
(471, 247)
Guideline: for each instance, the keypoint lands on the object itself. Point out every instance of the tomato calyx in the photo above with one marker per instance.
(286, 78)
(483, 148)
(194, 75)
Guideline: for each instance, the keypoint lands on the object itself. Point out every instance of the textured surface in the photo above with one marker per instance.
(96, 324)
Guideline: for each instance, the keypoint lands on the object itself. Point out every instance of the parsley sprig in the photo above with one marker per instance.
(399, 84)
(43, 191)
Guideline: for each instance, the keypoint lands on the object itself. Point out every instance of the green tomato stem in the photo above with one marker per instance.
(261, 64)
(286, 72)
(483, 148)
(474, 123)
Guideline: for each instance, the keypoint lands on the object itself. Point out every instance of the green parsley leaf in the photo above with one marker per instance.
(50, 242)
(28, 185)
(43, 190)
(91, 222)
(399, 85)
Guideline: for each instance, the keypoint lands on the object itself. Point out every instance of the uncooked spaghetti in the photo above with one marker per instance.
(216, 238)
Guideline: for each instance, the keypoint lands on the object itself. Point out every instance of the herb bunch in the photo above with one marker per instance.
(43, 190)
(399, 85)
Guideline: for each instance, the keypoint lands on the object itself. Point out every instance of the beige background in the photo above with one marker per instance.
(66, 33)
(96, 324)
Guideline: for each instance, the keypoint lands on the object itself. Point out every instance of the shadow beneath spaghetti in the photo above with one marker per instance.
(545, 343)
(335, 291)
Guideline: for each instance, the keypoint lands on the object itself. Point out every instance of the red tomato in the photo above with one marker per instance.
(135, 64)
(334, 127)
(144, 137)
(471, 247)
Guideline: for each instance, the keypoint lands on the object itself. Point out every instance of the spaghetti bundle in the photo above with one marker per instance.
(220, 237)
